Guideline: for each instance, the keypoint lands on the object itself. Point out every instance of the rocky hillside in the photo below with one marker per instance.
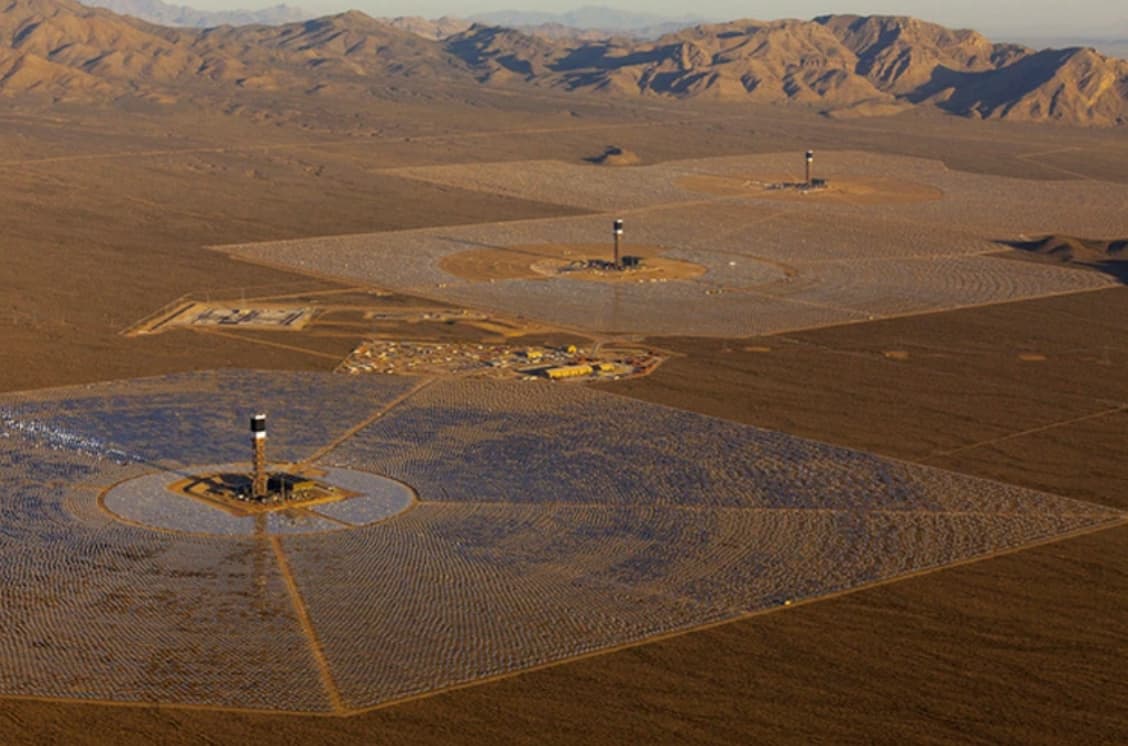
(844, 65)
(763, 62)
(875, 64)
(63, 50)
(1070, 85)
(900, 55)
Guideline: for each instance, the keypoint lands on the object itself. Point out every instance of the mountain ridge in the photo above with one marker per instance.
(166, 14)
(848, 64)
(588, 22)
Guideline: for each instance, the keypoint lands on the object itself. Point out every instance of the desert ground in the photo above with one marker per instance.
(1023, 387)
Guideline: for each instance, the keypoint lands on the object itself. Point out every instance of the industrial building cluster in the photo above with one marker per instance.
(202, 314)
(624, 263)
(555, 363)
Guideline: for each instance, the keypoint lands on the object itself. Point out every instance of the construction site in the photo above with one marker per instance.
(404, 335)
(565, 363)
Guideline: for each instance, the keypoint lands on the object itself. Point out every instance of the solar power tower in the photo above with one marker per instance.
(258, 439)
(810, 163)
(617, 230)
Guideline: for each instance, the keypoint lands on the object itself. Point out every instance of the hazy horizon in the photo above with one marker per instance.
(1030, 18)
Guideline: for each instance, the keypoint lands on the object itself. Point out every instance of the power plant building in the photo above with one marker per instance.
(568, 371)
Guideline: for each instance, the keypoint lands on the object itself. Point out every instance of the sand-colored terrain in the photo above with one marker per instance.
(1017, 649)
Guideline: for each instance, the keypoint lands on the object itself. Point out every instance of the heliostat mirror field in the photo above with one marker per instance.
(549, 522)
(892, 236)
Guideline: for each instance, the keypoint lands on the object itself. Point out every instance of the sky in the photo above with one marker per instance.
(997, 18)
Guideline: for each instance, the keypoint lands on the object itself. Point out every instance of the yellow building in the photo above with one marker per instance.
(568, 371)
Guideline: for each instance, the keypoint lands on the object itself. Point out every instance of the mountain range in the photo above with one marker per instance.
(166, 14)
(589, 21)
(843, 65)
